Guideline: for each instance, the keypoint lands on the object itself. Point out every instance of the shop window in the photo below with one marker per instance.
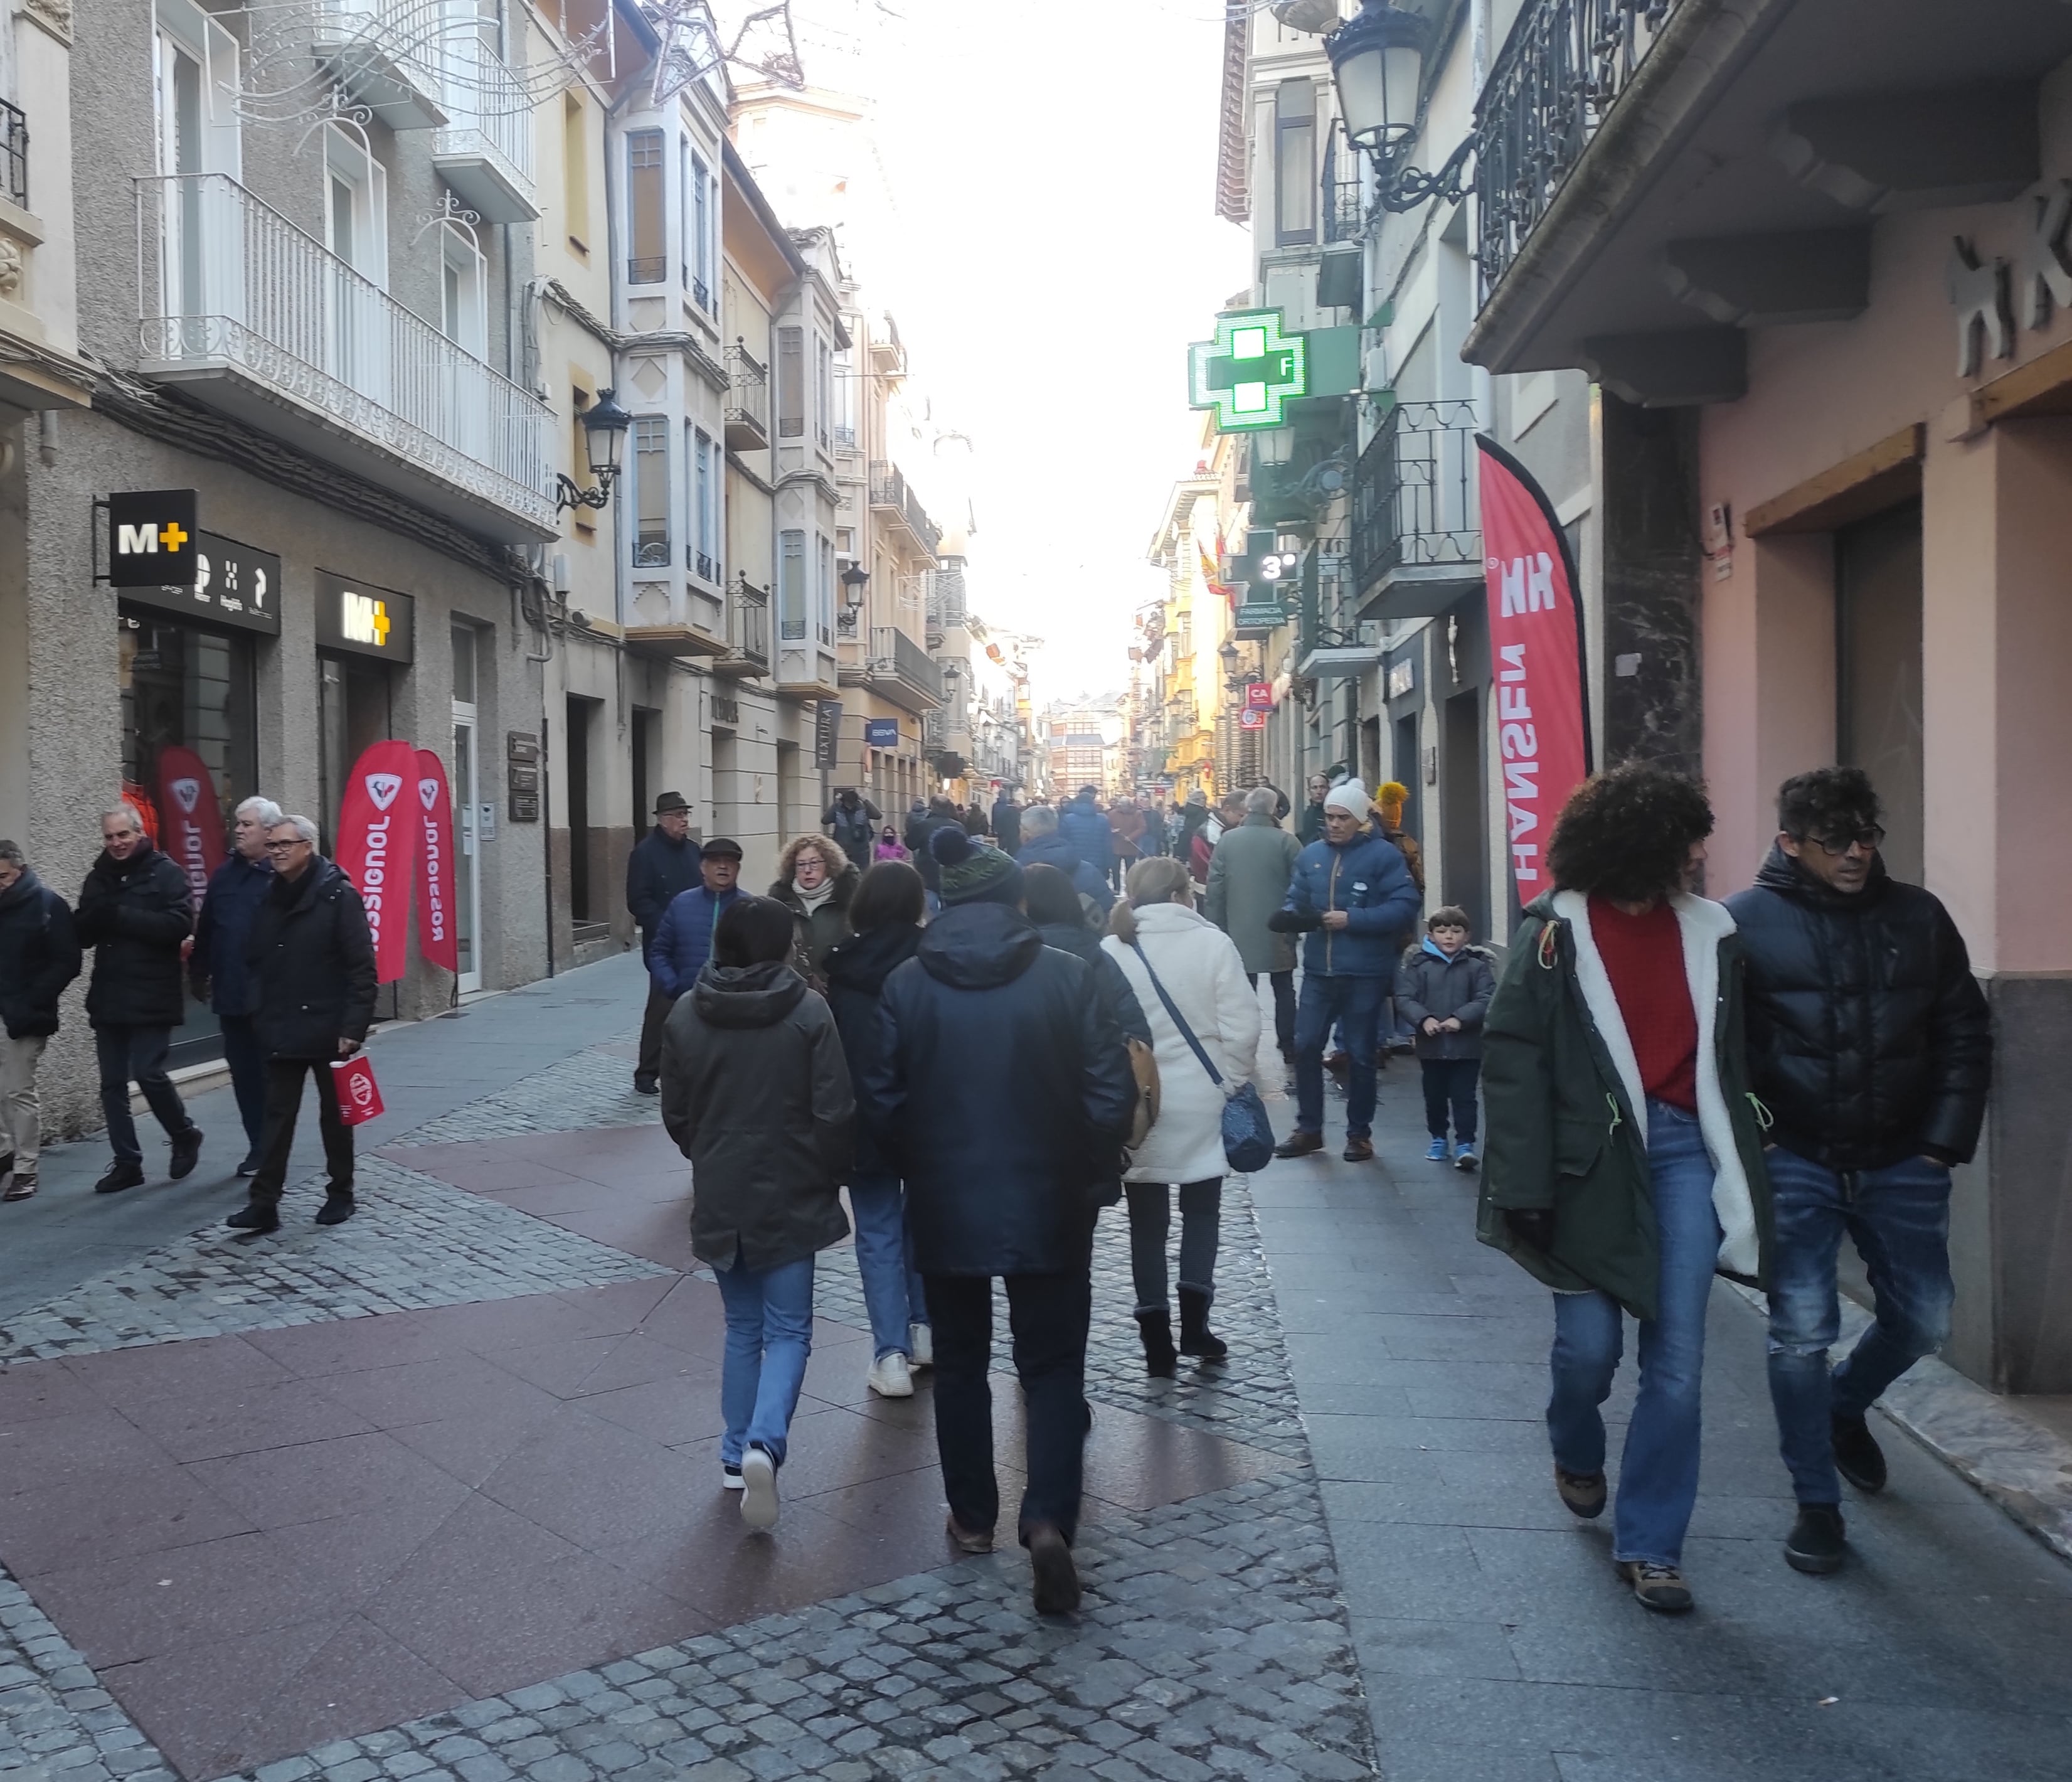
(1295, 162)
(647, 254)
(651, 492)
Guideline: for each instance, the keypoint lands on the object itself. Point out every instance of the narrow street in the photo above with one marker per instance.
(433, 1495)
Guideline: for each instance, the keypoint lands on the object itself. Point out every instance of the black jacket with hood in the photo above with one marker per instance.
(38, 956)
(310, 962)
(1869, 1040)
(755, 1092)
(856, 970)
(134, 913)
(986, 1017)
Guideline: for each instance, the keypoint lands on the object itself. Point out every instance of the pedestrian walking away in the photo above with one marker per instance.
(1084, 826)
(215, 962)
(1007, 822)
(816, 881)
(1161, 943)
(1249, 875)
(938, 814)
(683, 943)
(986, 1017)
(38, 956)
(134, 911)
(1126, 827)
(665, 863)
(852, 821)
(1202, 850)
(1624, 1160)
(311, 956)
(1442, 990)
(1352, 897)
(886, 912)
(755, 1092)
(1042, 846)
(1870, 1043)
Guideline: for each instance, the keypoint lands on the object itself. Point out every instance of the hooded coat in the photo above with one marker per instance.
(755, 1092)
(1085, 830)
(1429, 986)
(310, 961)
(1869, 1040)
(38, 956)
(1249, 875)
(986, 1016)
(134, 913)
(1054, 850)
(1568, 1120)
(856, 970)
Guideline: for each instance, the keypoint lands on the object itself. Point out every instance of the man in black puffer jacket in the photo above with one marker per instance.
(986, 1016)
(38, 956)
(134, 910)
(311, 961)
(1871, 1044)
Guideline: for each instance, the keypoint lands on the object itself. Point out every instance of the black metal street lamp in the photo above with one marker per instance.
(854, 580)
(1233, 679)
(1377, 64)
(605, 425)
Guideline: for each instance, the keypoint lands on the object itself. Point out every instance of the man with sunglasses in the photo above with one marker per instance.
(1870, 1046)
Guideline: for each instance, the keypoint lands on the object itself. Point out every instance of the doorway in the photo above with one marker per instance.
(466, 791)
(1877, 663)
(647, 729)
(1406, 772)
(353, 712)
(1463, 866)
(580, 887)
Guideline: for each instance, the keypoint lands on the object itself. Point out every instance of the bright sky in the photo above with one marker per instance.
(1054, 171)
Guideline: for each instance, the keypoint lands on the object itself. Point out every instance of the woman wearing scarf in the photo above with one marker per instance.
(816, 880)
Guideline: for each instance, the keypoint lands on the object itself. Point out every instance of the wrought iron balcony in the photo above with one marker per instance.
(747, 630)
(747, 401)
(1417, 537)
(1331, 639)
(14, 155)
(485, 150)
(902, 670)
(1344, 199)
(387, 54)
(889, 493)
(256, 318)
(1558, 76)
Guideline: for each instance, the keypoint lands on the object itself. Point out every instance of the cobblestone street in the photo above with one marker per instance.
(432, 1495)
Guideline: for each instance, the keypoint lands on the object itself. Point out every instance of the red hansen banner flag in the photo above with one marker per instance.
(377, 838)
(437, 939)
(189, 818)
(1535, 660)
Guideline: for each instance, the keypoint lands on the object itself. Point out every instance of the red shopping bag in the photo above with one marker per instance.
(359, 1095)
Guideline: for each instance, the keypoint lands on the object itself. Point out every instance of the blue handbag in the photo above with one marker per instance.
(1248, 1133)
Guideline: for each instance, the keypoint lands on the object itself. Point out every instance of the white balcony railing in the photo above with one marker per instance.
(488, 114)
(388, 54)
(227, 283)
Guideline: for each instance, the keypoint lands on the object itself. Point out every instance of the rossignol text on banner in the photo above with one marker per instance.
(378, 825)
(1535, 660)
(438, 939)
(190, 818)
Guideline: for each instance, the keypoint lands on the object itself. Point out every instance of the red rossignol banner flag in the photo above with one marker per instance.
(437, 939)
(190, 818)
(377, 840)
(1535, 659)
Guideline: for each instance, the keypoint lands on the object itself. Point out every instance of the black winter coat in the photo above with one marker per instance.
(1007, 826)
(853, 829)
(134, 913)
(756, 1093)
(223, 925)
(311, 959)
(856, 970)
(656, 870)
(1869, 1040)
(986, 1016)
(38, 956)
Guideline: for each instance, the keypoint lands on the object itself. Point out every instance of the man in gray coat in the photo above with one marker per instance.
(1249, 875)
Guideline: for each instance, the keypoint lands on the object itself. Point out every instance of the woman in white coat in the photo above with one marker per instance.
(1160, 942)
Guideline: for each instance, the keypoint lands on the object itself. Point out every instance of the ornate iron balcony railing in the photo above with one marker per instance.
(14, 155)
(748, 622)
(1345, 201)
(1413, 492)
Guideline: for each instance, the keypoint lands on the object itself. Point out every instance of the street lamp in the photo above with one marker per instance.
(1376, 58)
(854, 580)
(1232, 680)
(605, 425)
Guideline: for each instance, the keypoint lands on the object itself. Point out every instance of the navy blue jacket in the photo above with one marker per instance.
(1054, 850)
(657, 871)
(38, 956)
(1367, 879)
(1002, 1091)
(1087, 830)
(236, 890)
(678, 951)
(856, 970)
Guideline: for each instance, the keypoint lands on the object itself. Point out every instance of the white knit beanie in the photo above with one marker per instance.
(1349, 796)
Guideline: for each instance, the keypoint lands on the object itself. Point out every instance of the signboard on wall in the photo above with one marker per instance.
(363, 620)
(233, 585)
(151, 540)
(880, 733)
(1259, 696)
(827, 732)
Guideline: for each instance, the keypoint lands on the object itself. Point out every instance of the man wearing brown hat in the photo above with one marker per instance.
(666, 861)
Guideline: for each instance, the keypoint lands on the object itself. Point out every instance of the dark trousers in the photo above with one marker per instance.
(1450, 1084)
(247, 1059)
(1351, 1004)
(284, 1102)
(138, 1052)
(1283, 1008)
(657, 1012)
(1048, 1315)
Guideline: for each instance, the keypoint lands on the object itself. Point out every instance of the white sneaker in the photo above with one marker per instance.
(758, 1489)
(888, 1376)
(920, 1346)
(730, 1477)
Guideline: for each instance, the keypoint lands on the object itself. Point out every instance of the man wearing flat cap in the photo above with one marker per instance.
(665, 862)
(683, 941)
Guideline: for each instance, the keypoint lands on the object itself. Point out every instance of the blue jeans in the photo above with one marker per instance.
(1658, 1483)
(769, 1335)
(247, 1059)
(1354, 1004)
(1899, 1219)
(892, 1290)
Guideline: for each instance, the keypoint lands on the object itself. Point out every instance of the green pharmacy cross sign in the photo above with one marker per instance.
(1249, 372)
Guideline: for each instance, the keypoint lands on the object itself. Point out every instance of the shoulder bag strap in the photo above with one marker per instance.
(1179, 1020)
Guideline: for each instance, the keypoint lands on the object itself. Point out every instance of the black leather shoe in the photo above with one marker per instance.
(120, 1176)
(645, 1084)
(187, 1152)
(255, 1219)
(250, 1165)
(1056, 1577)
(1817, 1542)
(336, 1209)
(1858, 1458)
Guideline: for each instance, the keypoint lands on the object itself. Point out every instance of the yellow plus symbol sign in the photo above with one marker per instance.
(172, 536)
(380, 621)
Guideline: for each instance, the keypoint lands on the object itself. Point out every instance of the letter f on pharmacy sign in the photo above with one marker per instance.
(1250, 373)
(151, 539)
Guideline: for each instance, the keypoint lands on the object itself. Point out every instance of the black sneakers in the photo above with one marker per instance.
(1858, 1458)
(119, 1175)
(1817, 1542)
(187, 1150)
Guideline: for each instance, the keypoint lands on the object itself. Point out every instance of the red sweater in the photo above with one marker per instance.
(1644, 957)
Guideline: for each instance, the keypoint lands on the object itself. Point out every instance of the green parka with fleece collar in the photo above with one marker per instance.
(1567, 1122)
